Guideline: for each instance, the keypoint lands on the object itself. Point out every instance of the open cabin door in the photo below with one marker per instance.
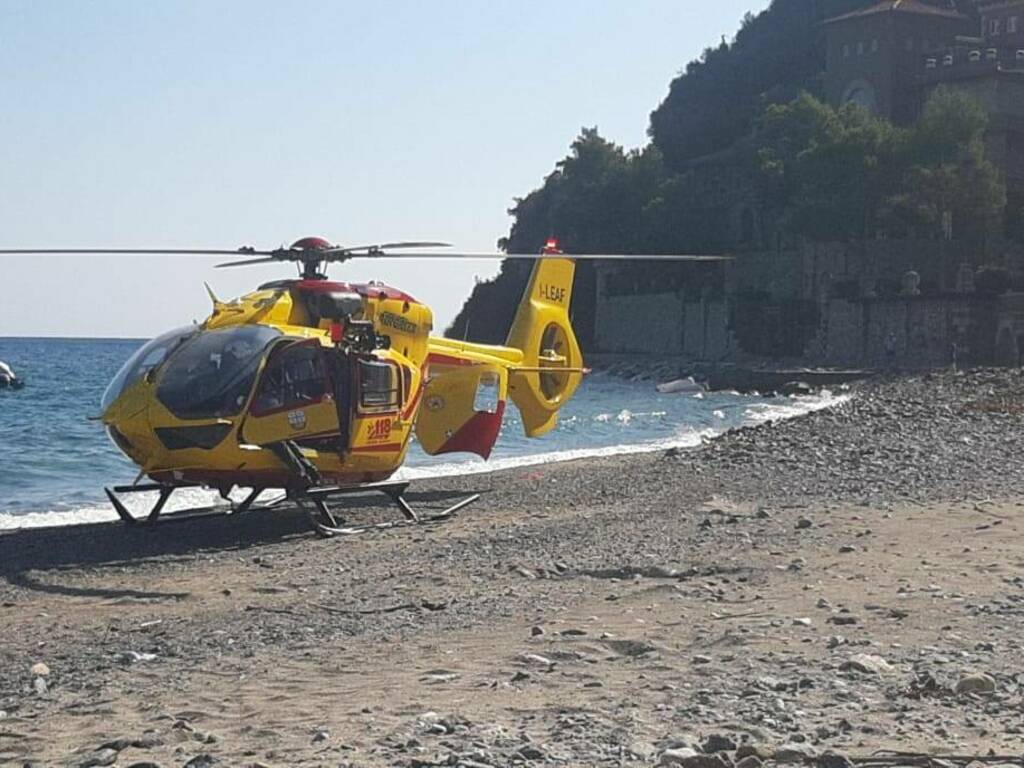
(296, 397)
(462, 410)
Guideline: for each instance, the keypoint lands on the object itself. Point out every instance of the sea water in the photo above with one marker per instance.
(55, 458)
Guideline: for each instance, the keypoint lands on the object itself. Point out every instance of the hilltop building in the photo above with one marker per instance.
(890, 57)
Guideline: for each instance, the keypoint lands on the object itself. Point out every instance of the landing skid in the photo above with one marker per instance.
(327, 524)
(157, 515)
(314, 501)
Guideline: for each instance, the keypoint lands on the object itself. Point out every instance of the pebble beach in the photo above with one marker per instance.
(843, 588)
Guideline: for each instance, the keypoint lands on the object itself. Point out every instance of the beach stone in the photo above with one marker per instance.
(201, 761)
(718, 742)
(531, 752)
(536, 660)
(834, 760)
(676, 755)
(976, 683)
(536, 631)
(100, 757)
(804, 523)
(754, 750)
(794, 753)
(642, 750)
(750, 761)
(40, 670)
(867, 664)
(699, 761)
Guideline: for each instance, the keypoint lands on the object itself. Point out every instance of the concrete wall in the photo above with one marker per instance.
(924, 330)
(648, 323)
(823, 304)
(664, 323)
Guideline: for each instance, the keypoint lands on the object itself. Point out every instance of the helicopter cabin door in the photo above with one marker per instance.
(295, 398)
(462, 410)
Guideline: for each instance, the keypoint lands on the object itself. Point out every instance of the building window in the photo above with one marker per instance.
(860, 48)
(874, 45)
(1011, 25)
(846, 51)
(995, 26)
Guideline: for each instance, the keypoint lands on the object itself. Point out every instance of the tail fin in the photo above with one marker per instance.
(552, 366)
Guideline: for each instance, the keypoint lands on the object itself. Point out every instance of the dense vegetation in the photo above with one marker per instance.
(847, 175)
(817, 172)
(775, 56)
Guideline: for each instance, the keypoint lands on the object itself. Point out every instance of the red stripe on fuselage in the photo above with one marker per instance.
(378, 448)
(415, 401)
(436, 358)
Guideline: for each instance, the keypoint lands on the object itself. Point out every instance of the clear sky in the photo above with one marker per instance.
(220, 123)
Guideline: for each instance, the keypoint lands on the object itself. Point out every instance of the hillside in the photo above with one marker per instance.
(601, 198)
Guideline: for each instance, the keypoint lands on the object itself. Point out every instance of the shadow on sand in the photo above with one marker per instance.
(28, 553)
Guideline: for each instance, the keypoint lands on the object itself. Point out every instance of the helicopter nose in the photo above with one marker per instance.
(121, 442)
(129, 430)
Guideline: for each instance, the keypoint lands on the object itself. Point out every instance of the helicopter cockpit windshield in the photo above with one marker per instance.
(145, 359)
(212, 374)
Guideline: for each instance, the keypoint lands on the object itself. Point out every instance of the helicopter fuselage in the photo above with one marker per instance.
(334, 370)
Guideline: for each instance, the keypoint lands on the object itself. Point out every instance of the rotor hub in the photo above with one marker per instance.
(311, 244)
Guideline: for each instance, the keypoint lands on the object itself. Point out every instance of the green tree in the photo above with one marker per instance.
(592, 201)
(949, 187)
(832, 171)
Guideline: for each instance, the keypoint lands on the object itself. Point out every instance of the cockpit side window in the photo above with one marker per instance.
(295, 377)
(379, 387)
(212, 375)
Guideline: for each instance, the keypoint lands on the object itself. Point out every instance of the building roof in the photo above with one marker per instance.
(900, 6)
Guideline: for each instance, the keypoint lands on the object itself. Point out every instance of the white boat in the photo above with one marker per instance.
(8, 380)
(689, 384)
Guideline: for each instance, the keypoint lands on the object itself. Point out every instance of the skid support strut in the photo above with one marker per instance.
(327, 524)
(155, 514)
(313, 500)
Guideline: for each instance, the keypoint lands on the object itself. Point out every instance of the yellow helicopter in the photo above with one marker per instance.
(316, 387)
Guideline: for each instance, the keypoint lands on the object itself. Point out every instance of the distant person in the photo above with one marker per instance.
(890, 349)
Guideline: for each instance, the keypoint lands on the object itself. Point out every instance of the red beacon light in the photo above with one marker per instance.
(552, 246)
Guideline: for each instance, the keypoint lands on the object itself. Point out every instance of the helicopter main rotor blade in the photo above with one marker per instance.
(137, 251)
(385, 247)
(541, 256)
(247, 262)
